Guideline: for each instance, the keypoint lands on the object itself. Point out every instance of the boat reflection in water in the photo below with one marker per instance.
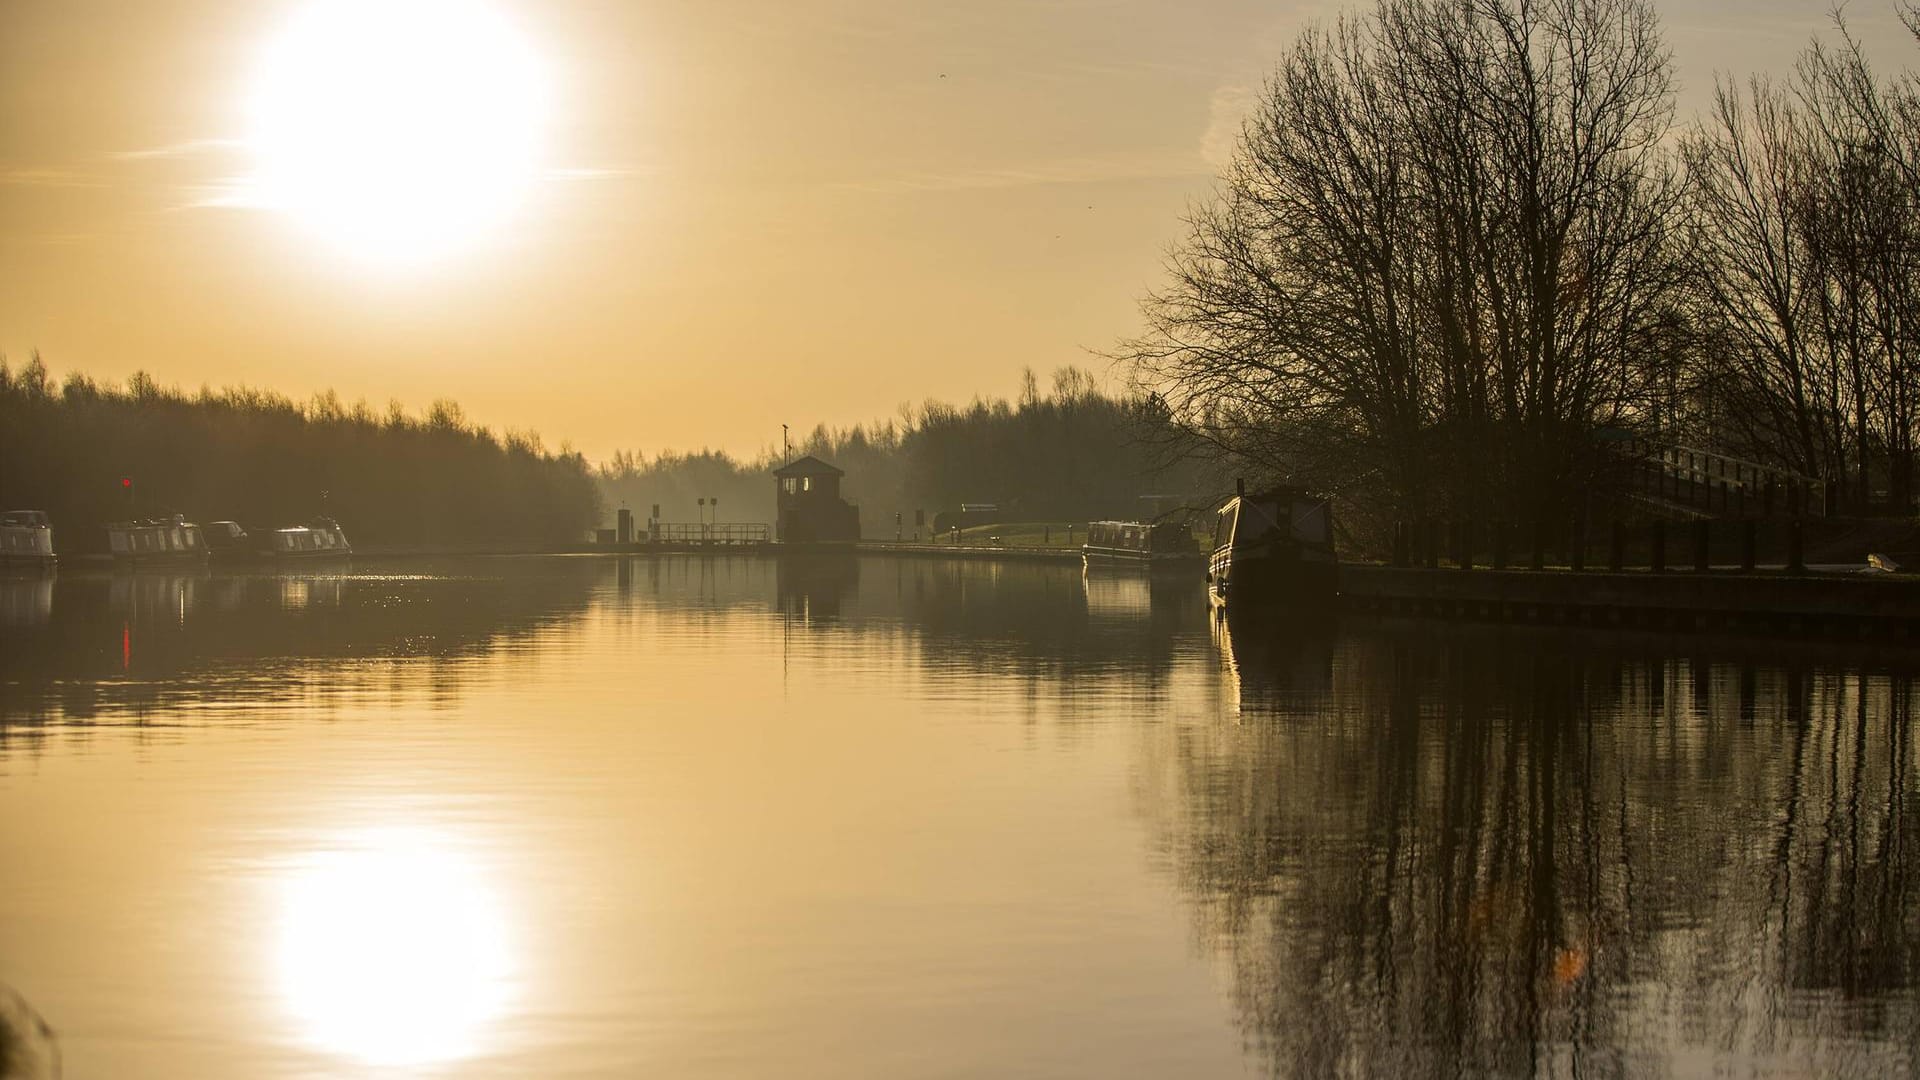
(25, 601)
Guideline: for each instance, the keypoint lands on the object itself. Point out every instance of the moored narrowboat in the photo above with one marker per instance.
(26, 540)
(322, 538)
(1138, 542)
(171, 541)
(1273, 552)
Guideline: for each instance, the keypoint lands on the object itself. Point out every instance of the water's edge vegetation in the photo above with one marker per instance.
(439, 480)
(263, 459)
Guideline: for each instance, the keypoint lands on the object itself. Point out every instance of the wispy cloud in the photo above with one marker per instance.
(1226, 114)
(173, 151)
(1081, 170)
(41, 177)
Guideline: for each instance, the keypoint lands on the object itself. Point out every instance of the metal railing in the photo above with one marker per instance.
(724, 533)
(1720, 484)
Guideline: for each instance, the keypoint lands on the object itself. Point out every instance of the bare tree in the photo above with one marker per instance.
(1440, 259)
(1804, 208)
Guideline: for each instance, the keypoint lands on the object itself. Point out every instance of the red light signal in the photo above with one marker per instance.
(126, 481)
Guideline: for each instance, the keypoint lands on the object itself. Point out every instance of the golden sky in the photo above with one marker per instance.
(738, 213)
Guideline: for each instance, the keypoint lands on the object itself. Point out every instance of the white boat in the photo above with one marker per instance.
(171, 541)
(26, 540)
(1139, 542)
(323, 538)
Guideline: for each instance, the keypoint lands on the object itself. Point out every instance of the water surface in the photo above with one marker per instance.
(745, 817)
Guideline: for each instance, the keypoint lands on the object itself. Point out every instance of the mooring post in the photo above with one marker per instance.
(1796, 547)
(1617, 547)
(1657, 548)
(1702, 545)
(1749, 540)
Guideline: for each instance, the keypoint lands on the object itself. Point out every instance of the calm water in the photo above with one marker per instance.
(742, 818)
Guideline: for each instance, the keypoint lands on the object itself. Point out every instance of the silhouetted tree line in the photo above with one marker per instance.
(1071, 453)
(1458, 241)
(263, 459)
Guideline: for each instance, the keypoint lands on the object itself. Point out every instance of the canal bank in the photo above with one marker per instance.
(1816, 601)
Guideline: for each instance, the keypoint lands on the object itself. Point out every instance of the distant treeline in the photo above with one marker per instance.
(265, 460)
(1463, 246)
(1068, 454)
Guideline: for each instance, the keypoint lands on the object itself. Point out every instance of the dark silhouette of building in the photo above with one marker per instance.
(810, 507)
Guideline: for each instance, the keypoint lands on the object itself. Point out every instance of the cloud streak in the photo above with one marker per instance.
(1065, 171)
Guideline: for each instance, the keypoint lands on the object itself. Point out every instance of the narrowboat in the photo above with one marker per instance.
(1273, 552)
(322, 538)
(171, 541)
(26, 540)
(1138, 542)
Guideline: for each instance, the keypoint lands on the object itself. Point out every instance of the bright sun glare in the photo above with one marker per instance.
(397, 130)
(393, 949)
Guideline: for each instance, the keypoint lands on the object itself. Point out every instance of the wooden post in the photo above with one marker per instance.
(1657, 549)
(1617, 547)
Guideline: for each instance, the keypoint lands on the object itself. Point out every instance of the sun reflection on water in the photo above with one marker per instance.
(393, 948)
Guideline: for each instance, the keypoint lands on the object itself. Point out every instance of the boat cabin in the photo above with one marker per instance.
(172, 539)
(1137, 541)
(1273, 549)
(26, 537)
(323, 537)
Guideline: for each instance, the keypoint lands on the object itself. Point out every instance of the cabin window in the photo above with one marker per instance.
(193, 539)
(1222, 528)
(1310, 522)
(790, 485)
(806, 483)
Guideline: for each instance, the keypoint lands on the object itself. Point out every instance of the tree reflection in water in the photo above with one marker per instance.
(1489, 852)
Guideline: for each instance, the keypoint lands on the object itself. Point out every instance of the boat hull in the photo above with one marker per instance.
(1278, 582)
(18, 562)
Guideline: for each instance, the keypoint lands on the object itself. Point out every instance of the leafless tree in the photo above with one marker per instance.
(1440, 259)
(1805, 208)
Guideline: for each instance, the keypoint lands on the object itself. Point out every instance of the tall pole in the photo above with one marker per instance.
(786, 448)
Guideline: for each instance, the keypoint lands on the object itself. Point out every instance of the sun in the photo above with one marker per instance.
(397, 130)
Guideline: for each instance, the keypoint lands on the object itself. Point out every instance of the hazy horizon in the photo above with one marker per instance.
(733, 216)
